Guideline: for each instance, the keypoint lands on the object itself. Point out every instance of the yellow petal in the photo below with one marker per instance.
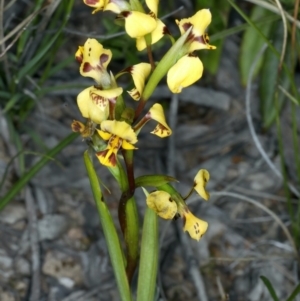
(195, 226)
(200, 22)
(106, 94)
(162, 204)
(138, 24)
(156, 113)
(153, 6)
(104, 135)
(108, 157)
(200, 181)
(90, 109)
(98, 4)
(120, 129)
(156, 35)
(127, 145)
(139, 73)
(184, 73)
(94, 59)
(117, 6)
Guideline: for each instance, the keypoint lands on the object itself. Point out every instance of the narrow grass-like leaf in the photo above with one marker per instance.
(270, 288)
(34, 169)
(39, 55)
(294, 294)
(149, 257)
(269, 80)
(10, 104)
(249, 49)
(110, 233)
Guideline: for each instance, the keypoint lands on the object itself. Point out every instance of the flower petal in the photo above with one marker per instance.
(139, 73)
(156, 113)
(90, 109)
(120, 129)
(162, 204)
(156, 35)
(200, 22)
(94, 59)
(138, 24)
(195, 226)
(98, 4)
(153, 6)
(184, 73)
(117, 6)
(200, 181)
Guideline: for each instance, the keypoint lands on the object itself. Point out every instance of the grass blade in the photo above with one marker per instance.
(34, 169)
(270, 288)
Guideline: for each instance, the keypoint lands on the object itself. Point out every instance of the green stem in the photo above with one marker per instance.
(110, 233)
(128, 215)
(177, 51)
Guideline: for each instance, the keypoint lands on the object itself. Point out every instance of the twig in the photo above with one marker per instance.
(35, 290)
(233, 196)
(274, 9)
(285, 34)
(193, 265)
(171, 140)
(251, 127)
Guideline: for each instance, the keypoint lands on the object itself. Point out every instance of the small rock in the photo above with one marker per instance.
(6, 296)
(13, 213)
(60, 265)
(52, 226)
(22, 266)
(6, 262)
(67, 282)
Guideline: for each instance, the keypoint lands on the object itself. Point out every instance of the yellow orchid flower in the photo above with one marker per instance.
(200, 181)
(167, 208)
(97, 4)
(115, 6)
(200, 21)
(119, 135)
(192, 224)
(93, 59)
(138, 25)
(93, 103)
(184, 73)
(162, 204)
(156, 113)
(139, 73)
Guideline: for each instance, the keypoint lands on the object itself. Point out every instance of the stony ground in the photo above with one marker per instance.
(51, 231)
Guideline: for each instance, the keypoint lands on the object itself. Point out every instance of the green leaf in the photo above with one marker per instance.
(294, 294)
(249, 48)
(153, 180)
(270, 288)
(269, 79)
(149, 258)
(110, 233)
